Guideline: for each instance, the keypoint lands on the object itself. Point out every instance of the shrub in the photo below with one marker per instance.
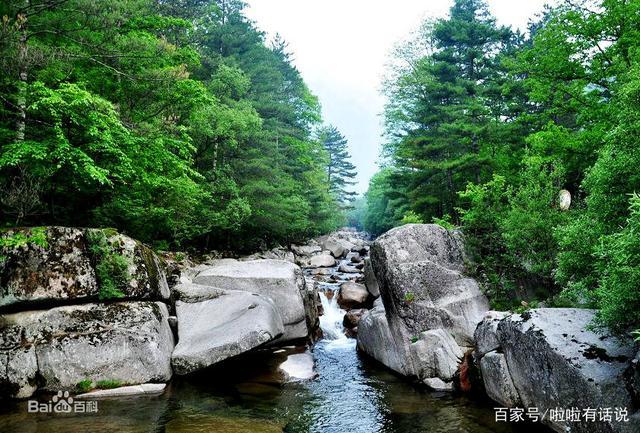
(112, 269)
(618, 265)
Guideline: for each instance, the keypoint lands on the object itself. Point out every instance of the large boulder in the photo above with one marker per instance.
(419, 272)
(56, 265)
(55, 349)
(352, 295)
(550, 358)
(280, 281)
(227, 325)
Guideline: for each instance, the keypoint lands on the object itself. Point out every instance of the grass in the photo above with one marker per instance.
(112, 269)
(109, 384)
(85, 385)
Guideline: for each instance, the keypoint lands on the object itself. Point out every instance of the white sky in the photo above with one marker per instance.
(341, 48)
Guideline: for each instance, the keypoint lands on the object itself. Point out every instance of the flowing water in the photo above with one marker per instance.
(351, 394)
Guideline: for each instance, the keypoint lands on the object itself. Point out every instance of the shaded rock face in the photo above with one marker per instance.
(65, 270)
(432, 309)
(54, 349)
(213, 330)
(352, 318)
(547, 359)
(370, 279)
(376, 339)
(280, 281)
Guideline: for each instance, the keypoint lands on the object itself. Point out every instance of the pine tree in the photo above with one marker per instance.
(340, 171)
(446, 109)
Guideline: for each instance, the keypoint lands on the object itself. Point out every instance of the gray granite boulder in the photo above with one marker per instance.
(376, 339)
(432, 308)
(352, 295)
(230, 324)
(129, 342)
(321, 261)
(280, 281)
(370, 279)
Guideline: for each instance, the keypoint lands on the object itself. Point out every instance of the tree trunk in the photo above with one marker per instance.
(21, 122)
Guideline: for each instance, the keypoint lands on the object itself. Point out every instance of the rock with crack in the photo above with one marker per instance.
(419, 271)
(376, 339)
(282, 282)
(129, 342)
(217, 329)
(370, 279)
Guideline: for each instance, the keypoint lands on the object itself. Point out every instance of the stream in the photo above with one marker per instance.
(350, 394)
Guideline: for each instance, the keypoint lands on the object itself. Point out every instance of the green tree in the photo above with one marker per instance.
(340, 171)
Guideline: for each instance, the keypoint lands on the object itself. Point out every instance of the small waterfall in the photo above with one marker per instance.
(331, 319)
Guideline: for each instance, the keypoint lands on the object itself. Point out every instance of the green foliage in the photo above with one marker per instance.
(109, 384)
(444, 222)
(636, 334)
(411, 218)
(36, 236)
(85, 385)
(340, 171)
(618, 268)
(175, 123)
(112, 269)
(409, 297)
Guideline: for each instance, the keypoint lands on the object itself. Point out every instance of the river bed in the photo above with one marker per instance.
(350, 394)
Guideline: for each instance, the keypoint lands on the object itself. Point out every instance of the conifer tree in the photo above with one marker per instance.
(340, 171)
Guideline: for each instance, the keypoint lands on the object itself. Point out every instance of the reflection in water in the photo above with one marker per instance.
(351, 394)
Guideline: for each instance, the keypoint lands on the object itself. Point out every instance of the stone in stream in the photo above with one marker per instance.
(305, 250)
(352, 295)
(63, 270)
(130, 342)
(299, 366)
(336, 247)
(355, 258)
(549, 358)
(419, 273)
(280, 281)
(322, 261)
(352, 317)
(125, 391)
(347, 269)
(217, 329)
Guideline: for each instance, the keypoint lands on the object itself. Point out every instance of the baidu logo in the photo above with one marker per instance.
(62, 402)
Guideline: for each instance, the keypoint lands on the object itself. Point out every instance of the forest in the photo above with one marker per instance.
(177, 123)
(181, 124)
(486, 126)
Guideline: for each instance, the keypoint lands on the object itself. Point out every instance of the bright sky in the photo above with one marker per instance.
(341, 48)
